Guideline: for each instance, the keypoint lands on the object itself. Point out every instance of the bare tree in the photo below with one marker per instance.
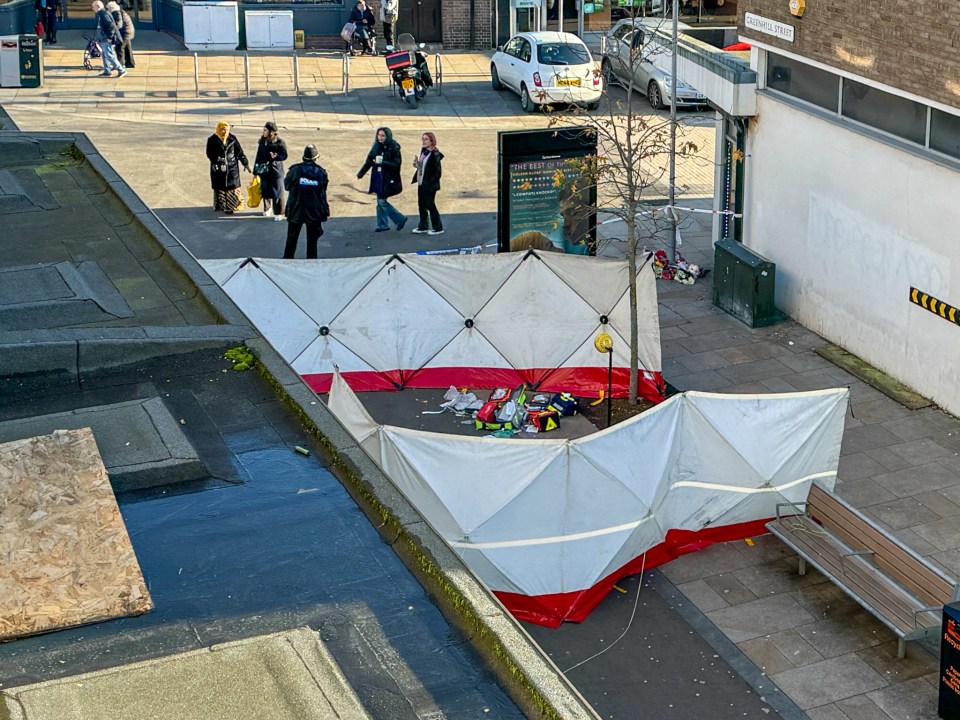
(633, 150)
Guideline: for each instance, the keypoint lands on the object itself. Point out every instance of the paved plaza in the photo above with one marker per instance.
(797, 641)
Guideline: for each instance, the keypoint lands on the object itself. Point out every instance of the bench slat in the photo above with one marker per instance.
(877, 593)
(889, 556)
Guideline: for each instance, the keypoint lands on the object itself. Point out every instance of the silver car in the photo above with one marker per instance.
(629, 52)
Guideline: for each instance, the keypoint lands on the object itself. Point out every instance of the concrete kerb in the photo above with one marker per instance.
(524, 670)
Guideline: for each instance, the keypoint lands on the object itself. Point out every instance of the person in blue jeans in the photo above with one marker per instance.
(108, 36)
(384, 160)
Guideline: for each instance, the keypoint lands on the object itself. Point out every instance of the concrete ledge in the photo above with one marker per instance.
(140, 442)
(285, 676)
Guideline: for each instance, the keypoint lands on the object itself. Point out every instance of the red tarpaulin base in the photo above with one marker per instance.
(581, 381)
(551, 610)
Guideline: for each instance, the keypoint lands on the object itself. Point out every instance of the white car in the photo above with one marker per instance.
(547, 68)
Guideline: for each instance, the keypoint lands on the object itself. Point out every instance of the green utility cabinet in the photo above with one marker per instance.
(744, 283)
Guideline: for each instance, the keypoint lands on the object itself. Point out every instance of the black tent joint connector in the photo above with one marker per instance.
(324, 330)
(604, 319)
(468, 322)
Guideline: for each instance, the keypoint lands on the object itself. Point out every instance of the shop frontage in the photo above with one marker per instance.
(593, 17)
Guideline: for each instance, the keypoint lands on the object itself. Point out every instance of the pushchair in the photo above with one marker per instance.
(354, 45)
(90, 53)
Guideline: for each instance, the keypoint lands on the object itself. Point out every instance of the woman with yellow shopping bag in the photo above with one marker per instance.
(254, 196)
(268, 166)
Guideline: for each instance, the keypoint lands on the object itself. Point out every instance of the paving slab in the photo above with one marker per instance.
(828, 681)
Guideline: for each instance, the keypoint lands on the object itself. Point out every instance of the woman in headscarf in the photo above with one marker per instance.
(427, 180)
(384, 158)
(225, 156)
(268, 166)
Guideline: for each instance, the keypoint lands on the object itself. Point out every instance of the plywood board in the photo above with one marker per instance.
(65, 556)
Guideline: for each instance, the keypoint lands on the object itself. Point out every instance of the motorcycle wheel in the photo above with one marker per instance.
(413, 100)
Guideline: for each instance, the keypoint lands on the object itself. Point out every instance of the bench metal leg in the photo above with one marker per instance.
(901, 649)
(803, 566)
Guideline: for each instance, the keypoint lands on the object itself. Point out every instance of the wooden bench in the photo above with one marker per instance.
(895, 584)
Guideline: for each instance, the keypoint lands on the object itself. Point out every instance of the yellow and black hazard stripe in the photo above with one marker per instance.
(937, 307)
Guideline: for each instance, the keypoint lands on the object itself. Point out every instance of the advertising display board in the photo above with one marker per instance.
(544, 202)
(949, 706)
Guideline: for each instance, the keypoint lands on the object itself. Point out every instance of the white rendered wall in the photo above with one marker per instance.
(852, 224)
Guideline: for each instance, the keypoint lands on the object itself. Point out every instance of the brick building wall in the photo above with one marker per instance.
(456, 24)
(912, 45)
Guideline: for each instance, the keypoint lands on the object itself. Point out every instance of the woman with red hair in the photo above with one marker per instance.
(427, 180)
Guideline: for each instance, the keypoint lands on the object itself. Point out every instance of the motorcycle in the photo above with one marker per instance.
(409, 69)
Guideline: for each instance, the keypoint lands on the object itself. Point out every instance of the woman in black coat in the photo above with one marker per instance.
(225, 156)
(385, 160)
(268, 166)
(427, 180)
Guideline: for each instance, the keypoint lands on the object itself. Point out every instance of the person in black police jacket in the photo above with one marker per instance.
(306, 184)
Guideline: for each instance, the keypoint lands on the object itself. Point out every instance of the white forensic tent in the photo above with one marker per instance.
(550, 525)
(439, 320)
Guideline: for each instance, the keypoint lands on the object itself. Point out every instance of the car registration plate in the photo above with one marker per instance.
(568, 81)
(407, 86)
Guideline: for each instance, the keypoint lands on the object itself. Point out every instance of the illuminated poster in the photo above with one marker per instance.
(544, 203)
(949, 708)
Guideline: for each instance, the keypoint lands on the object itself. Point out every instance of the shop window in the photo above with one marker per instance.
(884, 111)
(945, 133)
(803, 81)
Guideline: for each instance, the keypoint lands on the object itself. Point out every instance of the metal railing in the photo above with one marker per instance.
(438, 72)
(224, 80)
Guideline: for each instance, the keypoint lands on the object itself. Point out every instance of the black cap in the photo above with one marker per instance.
(310, 152)
(271, 126)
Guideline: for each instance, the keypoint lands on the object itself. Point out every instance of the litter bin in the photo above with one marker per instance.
(949, 700)
(21, 62)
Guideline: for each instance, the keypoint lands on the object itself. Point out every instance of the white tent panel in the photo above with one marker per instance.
(706, 477)
(347, 408)
(753, 506)
(553, 565)
(485, 569)
(220, 269)
(473, 478)
(599, 281)
(639, 451)
(648, 318)
(446, 274)
(563, 502)
(468, 349)
(324, 355)
(788, 423)
(283, 324)
(646, 535)
(531, 318)
(321, 288)
(402, 472)
(587, 356)
(396, 321)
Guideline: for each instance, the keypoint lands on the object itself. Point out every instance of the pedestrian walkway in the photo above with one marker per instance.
(900, 467)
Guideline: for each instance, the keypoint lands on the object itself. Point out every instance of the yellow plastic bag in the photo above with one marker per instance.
(254, 196)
